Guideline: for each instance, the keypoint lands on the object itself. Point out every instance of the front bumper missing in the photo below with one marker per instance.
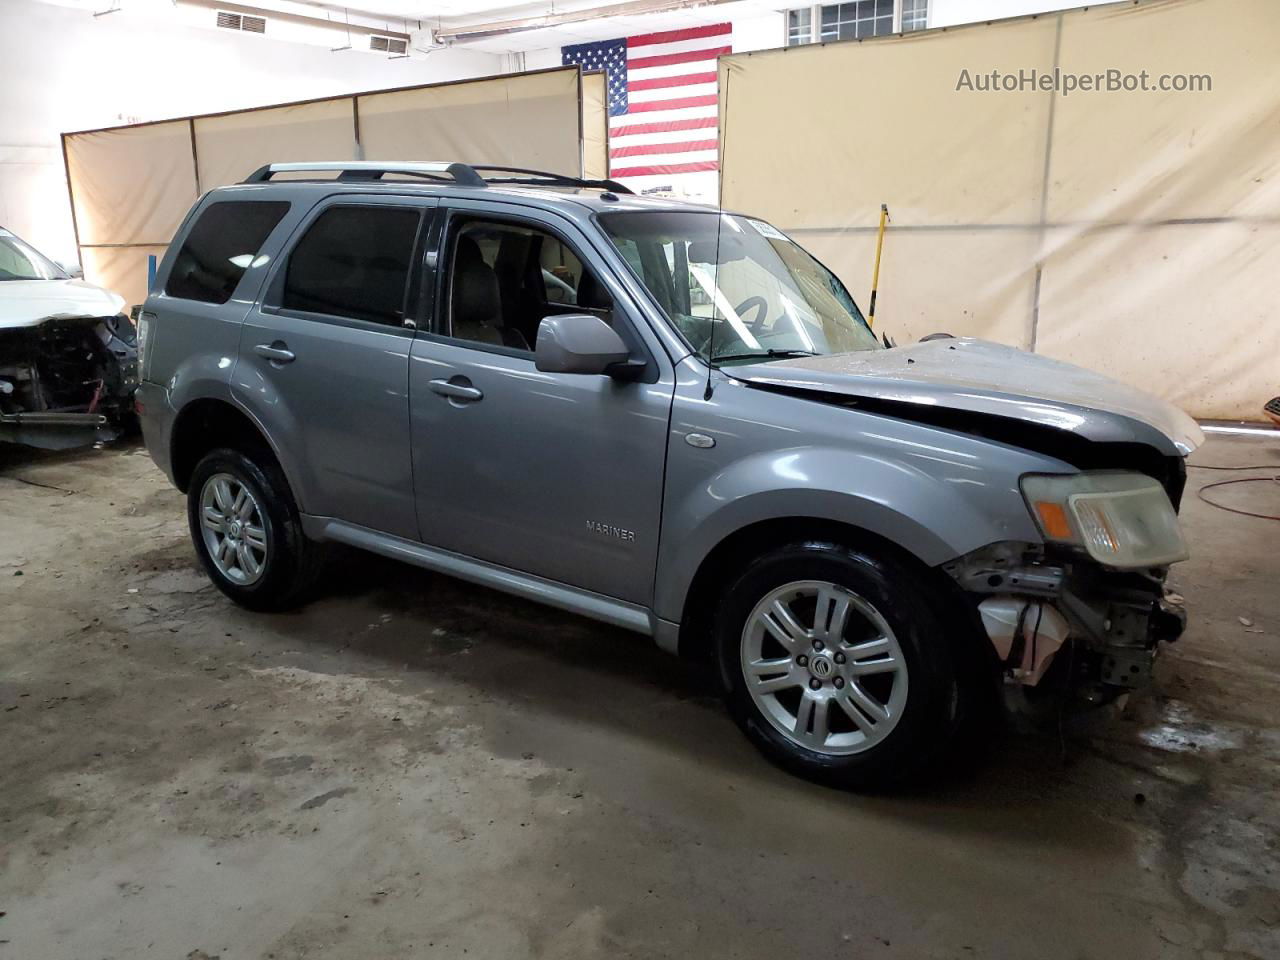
(1032, 608)
(1136, 637)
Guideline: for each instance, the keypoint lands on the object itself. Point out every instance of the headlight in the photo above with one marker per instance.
(1121, 519)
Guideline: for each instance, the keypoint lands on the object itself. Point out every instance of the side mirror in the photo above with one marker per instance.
(72, 270)
(578, 343)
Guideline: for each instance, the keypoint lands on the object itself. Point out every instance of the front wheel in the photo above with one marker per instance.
(836, 664)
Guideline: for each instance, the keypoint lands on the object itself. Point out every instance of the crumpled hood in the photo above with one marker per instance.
(989, 378)
(27, 303)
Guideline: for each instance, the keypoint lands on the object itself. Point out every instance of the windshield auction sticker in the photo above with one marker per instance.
(765, 230)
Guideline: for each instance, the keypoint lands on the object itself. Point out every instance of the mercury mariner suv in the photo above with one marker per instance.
(667, 418)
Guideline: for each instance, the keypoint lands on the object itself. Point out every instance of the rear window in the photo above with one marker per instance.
(353, 262)
(221, 245)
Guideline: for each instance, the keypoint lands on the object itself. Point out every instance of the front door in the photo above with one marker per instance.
(324, 359)
(557, 475)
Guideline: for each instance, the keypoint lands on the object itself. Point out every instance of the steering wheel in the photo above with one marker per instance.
(760, 305)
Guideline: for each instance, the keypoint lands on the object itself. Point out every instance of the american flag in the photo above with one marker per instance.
(662, 98)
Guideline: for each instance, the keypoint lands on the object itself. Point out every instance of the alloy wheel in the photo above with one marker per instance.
(234, 533)
(824, 667)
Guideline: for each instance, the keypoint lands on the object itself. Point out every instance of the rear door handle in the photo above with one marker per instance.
(457, 391)
(276, 352)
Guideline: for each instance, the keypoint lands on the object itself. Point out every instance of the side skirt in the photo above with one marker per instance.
(550, 592)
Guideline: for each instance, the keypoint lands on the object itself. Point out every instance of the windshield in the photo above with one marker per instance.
(18, 261)
(738, 287)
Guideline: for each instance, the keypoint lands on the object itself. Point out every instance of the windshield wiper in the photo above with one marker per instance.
(767, 355)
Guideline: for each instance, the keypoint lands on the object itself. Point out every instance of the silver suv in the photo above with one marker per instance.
(667, 418)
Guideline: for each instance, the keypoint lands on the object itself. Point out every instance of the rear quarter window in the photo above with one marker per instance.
(220, 246)
(354, 262)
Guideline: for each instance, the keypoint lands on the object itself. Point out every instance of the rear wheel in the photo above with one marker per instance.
(246, 530)
(837, 665)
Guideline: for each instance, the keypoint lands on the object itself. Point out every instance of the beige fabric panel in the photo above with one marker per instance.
(1186, 311)
(1146, 156)
(526, 120)
(231, 146)
(1157, 249)
(595, 127)
(131, 185)
(821, 136)
(917, 298)
(122, 269)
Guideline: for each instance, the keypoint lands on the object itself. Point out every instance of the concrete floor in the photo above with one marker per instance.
(416, 767)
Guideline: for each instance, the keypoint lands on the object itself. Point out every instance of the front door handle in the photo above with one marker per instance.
(277, 352)
(456, 391)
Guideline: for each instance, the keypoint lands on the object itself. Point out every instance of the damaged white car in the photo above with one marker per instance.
(68, 355)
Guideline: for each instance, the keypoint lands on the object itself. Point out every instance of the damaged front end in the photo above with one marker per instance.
(1060, 622)
(67, 381)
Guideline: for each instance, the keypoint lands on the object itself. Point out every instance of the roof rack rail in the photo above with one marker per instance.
(462, 174)
(523, 175)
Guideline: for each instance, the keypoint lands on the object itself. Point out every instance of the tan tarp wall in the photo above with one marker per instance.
(595, 126)
(1136, 233)
(132, 186)
(527, 120)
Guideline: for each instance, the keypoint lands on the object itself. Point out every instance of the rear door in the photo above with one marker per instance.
(558, 475)
(324, 357)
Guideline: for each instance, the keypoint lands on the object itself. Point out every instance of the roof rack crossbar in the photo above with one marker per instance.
(462, 174)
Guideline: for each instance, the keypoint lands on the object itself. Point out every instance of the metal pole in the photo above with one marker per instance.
(875, 275)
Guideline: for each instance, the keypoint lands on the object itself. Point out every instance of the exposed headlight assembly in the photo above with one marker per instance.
(1122, 520)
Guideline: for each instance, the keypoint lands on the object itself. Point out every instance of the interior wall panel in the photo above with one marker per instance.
(595, 126)
(231, 146)
(1132, 232)
(131, 185)
(122, 269)
(528, 120)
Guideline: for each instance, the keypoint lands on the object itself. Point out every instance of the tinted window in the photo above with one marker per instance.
(353, 262)
(220, 247)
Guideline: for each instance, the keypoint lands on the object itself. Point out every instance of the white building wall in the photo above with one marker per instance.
(947, 13)
(62, 69)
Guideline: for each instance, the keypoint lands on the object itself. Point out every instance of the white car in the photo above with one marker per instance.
(68, 355)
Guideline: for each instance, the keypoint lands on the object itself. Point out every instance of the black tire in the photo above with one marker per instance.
(929, 636)
(293, 562)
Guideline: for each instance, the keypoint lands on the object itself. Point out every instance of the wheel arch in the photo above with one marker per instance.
(206, 424)
(731, 555)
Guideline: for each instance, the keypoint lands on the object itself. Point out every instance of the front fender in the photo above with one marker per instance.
(936, 507)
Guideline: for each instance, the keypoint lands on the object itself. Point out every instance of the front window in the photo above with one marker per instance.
(20, 261)
(915, 15)
(855, 20)
(737, 289)
(799, 26)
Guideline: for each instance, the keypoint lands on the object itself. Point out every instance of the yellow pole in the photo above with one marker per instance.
(875, 276)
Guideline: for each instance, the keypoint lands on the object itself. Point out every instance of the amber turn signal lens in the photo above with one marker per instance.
(1053, 520)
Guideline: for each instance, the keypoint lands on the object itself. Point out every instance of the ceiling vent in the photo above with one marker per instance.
(244, 22)
(392, 45)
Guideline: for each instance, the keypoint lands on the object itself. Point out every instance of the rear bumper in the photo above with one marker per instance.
(155, 415)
